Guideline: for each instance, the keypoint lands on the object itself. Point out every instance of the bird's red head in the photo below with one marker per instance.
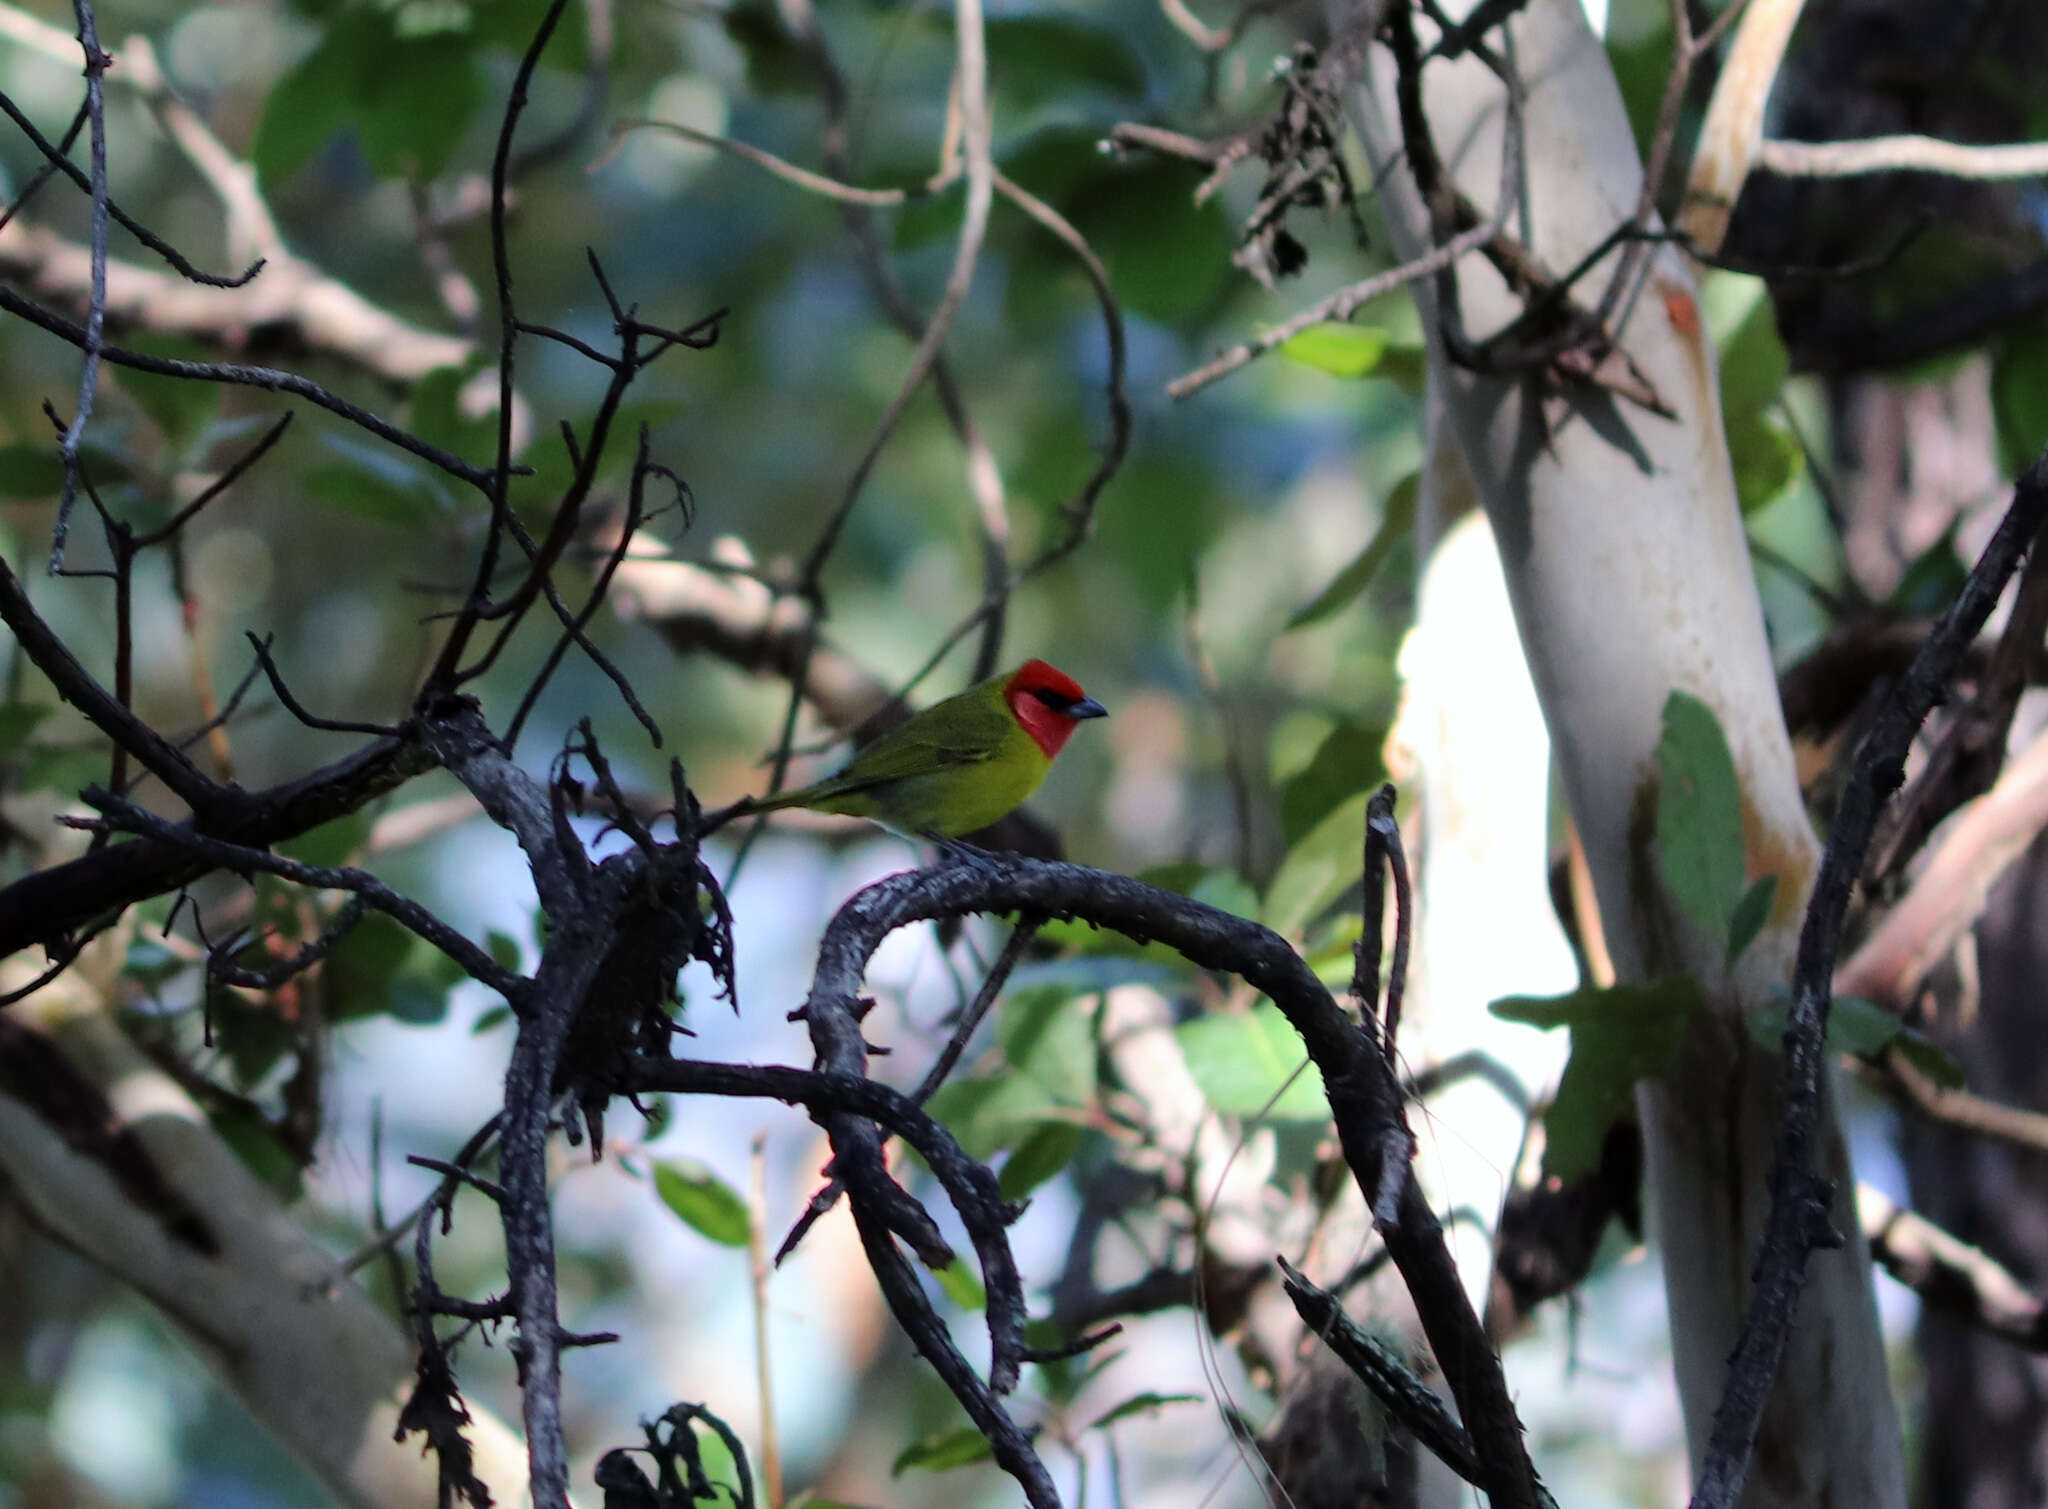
(1048, 703)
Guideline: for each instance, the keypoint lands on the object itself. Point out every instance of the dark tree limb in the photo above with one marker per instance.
(1364, 1096)
(53, 904)
(1407, 1398)
(125, 817)
(984, 999)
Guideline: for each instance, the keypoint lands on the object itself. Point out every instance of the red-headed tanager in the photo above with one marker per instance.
(960, 764)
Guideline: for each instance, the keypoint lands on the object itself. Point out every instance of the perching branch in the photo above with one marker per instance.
(1364, 1096)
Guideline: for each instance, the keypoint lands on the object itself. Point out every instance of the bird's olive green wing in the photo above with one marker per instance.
(969, 733)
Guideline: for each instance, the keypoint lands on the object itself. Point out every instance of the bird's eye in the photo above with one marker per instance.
(1052, 699)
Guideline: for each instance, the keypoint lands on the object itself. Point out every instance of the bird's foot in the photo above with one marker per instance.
(968, 856)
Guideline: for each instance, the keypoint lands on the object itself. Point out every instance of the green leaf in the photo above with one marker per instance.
(1619, 1035)
(1336, 348)
(1332, 950)
(1318, 868)
(1931, 1059)
(311, 102)
(1040, 1156)
(56, 767)
(1241, 1061)
(775, 64)
(368, 495)
(989, 1112)
(417, 105)
(490, 1019)
(30, 471)
(181, 407)
(1167, 257)
(504, 949)
(1765, 455)
(1699, 815)
(1863, 1028)
(1931, 582)
(705, 1202)
(1048, 1037)
(1227, 892)
(1345, 587)
(1346, 763)
(253, 1036)
(17, 721)
(255, 1143)
(377, 971)
(962, 1285)
(408, 89)
(953, 1448)
(1142, 1404)
(1745, 329)
(1751, 913)
(2019, 394)
(330, 844)
(1180, 875)
(1045, 1068)
(1050, 57)
(511, 24)
(416, 998)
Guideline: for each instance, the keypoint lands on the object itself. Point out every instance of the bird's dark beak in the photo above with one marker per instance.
(1087, 707)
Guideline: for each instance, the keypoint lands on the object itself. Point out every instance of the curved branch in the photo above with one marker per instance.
(1364, 1096)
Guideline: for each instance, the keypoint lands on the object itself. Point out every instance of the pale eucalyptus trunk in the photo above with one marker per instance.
(1627, 568)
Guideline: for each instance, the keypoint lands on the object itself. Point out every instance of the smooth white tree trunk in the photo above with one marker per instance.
(1470, 745)
(1626, 564)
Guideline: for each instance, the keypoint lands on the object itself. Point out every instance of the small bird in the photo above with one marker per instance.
(957, 766)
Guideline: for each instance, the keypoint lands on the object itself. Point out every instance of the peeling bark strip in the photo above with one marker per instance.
(34, 1071)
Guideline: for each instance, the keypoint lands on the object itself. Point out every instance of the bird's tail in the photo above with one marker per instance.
(748, 806)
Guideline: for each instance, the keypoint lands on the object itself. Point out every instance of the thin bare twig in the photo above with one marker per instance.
(476, 962)
(1959, 1108)
(1341, 305)
(788, 172)
(96, 306)
(970, 90)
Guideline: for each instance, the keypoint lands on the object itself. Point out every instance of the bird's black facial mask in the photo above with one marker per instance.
(1072, 707)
